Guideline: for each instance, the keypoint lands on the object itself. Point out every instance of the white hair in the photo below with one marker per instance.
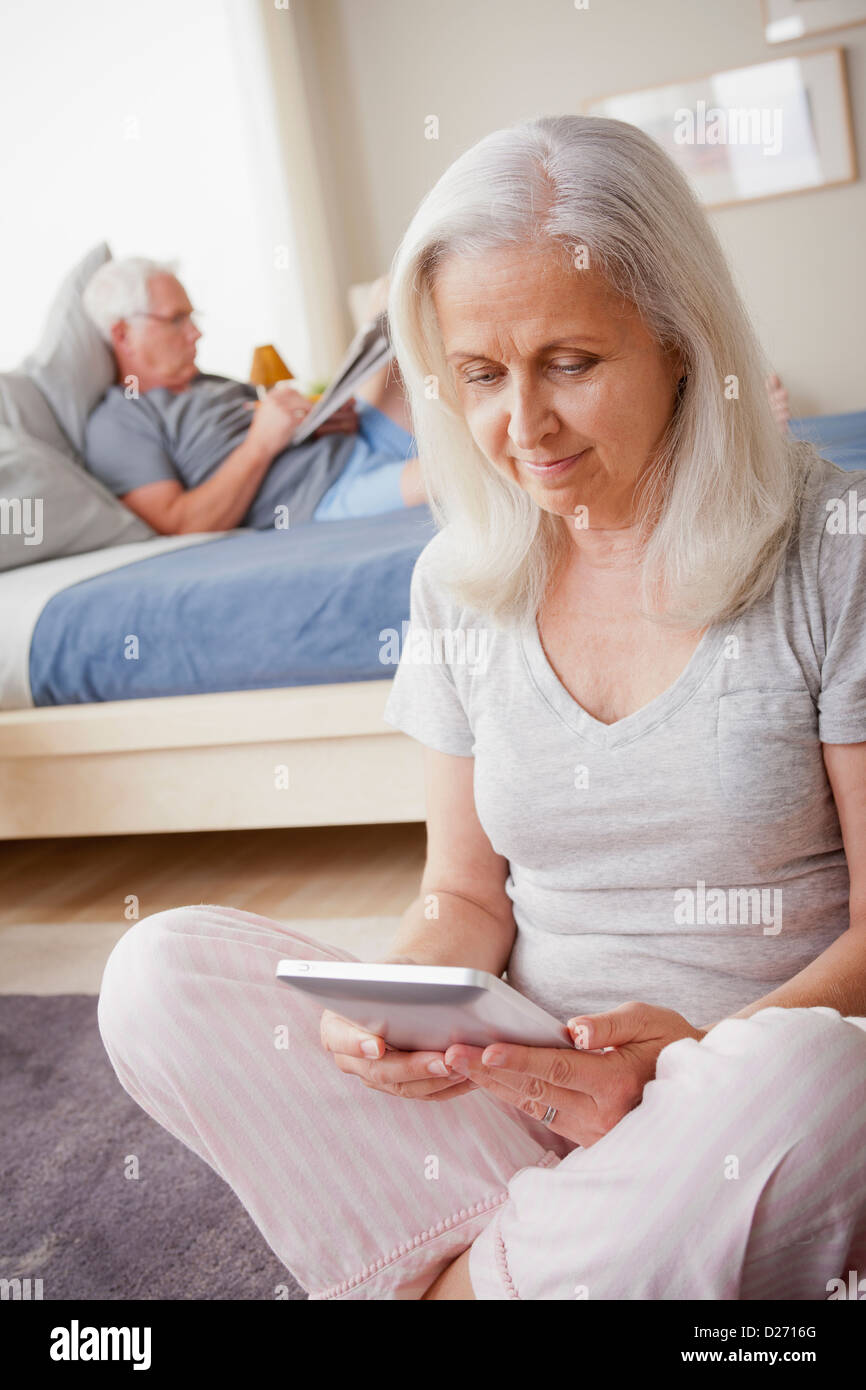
(119, 289)
(726, 485)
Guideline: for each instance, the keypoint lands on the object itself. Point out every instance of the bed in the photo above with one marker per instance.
(163, 683)
(235, 682)
(214, 682)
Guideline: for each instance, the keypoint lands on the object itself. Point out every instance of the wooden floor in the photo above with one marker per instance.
(342, 871)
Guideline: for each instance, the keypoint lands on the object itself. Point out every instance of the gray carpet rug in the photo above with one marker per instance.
(70, 1217)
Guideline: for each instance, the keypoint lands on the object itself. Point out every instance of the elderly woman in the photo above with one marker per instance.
(647, 802)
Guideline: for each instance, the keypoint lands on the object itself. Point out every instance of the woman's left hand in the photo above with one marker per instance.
(591, 1090)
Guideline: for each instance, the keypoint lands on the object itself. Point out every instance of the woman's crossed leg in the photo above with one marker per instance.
(742, 1173)
(359, 1193)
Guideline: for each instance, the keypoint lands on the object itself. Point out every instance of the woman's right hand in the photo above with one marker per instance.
(413, 1075)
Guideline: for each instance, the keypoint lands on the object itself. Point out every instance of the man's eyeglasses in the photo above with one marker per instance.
(174, 320)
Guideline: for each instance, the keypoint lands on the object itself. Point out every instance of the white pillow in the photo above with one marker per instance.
(50, 506)
(23, 407)
(72, 365)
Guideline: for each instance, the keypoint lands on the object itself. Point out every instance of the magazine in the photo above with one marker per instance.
(369, 349)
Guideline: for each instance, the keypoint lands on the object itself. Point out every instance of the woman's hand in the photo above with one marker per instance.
(414, 1075)
(591, 1090)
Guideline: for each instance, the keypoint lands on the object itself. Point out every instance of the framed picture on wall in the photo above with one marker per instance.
(761, 131)
(798, 19)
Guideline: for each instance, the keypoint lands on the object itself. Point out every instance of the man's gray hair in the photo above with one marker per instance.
(119, 289)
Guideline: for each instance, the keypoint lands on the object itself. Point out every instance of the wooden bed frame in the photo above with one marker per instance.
(308, 755)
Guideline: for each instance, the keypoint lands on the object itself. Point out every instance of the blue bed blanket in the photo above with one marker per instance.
(840, 438)
(251, 611)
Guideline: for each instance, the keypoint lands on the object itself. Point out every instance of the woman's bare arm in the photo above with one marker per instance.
(462, 914)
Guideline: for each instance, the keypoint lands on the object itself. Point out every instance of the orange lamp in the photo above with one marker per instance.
(268, 368)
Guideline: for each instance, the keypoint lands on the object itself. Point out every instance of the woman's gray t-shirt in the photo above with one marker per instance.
(689, 855)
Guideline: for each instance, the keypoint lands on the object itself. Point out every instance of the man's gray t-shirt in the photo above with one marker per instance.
(185, 436)
(689, 855)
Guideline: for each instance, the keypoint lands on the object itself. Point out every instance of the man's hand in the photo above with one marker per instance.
(779, 401)
(591, 1090)
(276, 418)
(343, 421)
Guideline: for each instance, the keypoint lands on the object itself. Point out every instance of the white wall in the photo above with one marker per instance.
(384, 65)
(134, 123)
(208, 174)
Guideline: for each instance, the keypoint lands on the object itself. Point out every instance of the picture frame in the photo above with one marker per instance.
(746, 134)
(787, 20)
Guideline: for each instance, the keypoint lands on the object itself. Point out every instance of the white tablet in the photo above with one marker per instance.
(419, 1008)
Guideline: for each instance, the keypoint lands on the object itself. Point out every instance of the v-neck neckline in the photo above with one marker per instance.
(642, 720)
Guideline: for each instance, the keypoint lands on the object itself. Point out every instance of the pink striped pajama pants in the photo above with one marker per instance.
(741, 1175)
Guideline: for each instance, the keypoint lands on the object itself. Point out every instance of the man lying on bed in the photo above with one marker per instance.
(194, 452)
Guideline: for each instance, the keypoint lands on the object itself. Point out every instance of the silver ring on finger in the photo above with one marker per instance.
(549, 1115)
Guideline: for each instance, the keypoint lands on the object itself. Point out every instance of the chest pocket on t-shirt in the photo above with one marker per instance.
(769, 755)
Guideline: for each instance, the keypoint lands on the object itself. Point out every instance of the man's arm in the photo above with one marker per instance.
(223, 500)
(218, 504)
